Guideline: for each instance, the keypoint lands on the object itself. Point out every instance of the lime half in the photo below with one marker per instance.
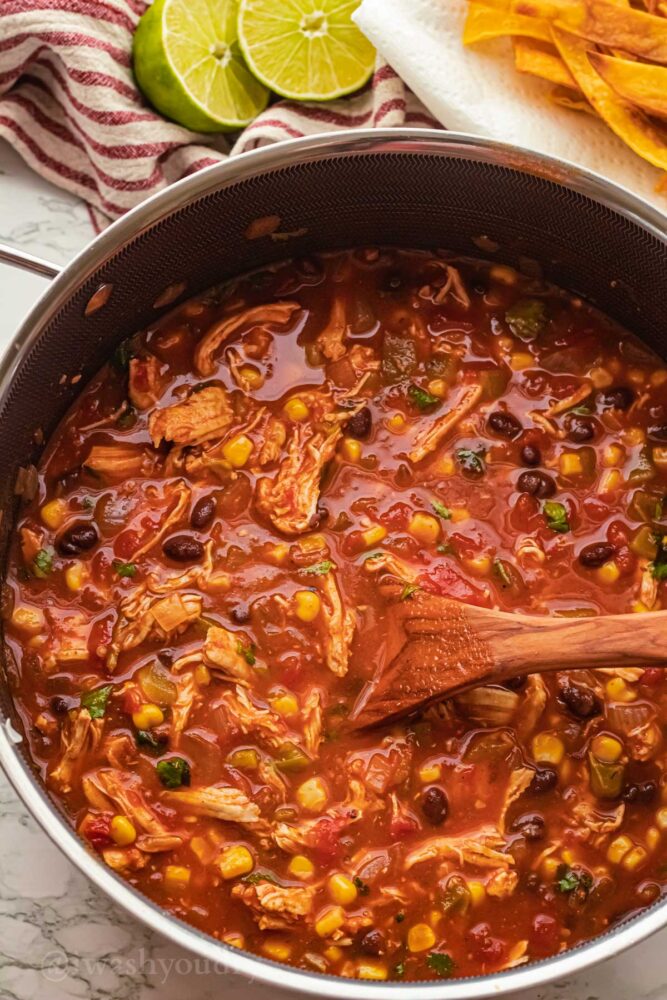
(188, 63)
(305, 49)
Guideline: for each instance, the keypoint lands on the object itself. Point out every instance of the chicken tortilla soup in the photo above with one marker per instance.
(197, 591)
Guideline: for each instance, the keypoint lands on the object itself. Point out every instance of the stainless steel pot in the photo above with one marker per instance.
(410, 187)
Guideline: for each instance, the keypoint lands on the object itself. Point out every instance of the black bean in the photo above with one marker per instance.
(182, 548)
(60, 705)
(581, 701)
(545, 780)
(641, 793)
(240, 614)
(373, 942)
(77, 538)
(434, 805)
(595, 554)
(531, 881)
(531, 826)
(538, 484)
(203, 513)
(530, 455)
(504, 424)
(359, 426)
(579, 429)
(620, 398)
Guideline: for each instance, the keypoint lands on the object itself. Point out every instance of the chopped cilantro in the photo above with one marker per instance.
(556, 516)
(441, 963)
(408, 590)
(445, 548)
(42, 564)
(318, 569)
(527, 318)
(122, 355)
(173, 772)
(254, 878)
(581, 411)
(399, 970)
(422, 399)
(96, 701)
(361, 886)
(123, 568)
(87, 503)
(247, 652)
(568, 879)
(659, 564)
(500, 570)
(472, 461)
(151, 740)
(399, 918)
(440, 509)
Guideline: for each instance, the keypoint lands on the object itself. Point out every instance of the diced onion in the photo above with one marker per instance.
(493, 705)
(625, 717)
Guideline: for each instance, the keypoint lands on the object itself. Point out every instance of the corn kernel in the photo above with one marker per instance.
(610, 480)
(571, 464)
(638, 608)
(634, 859)
(614, 454)
(29, 620)
(176, 878)
(477, 892)
(637, 376)
(53, 513)
(397, 423)
(238, 451)
(122, 831)
(659, 456)
(373, 536)
(202, 675)
(351, 449)
(425, 528)
(371, 970)
(608, 573)
(438, 387)
(333, 953)
(201, 849)
(420, 938)
(285, 704)
(548, 748)
(652, 838)
(601, 377)
(434, 918)
(661, 819)
(504, 274)
(618, 848)
(279, 951)
(279, 553)
(296, 409)
(429, 773)
(342, 889)
(658, 377)
(480, 565)
(312, 543)
(459, 514)
(307, 605)
(329, 921)
(245, 758)
(301, 867)
(618, 690)
(75, 576)
(634, 435)
(312, 795)
(148, 716)
(235, 861)
(234, 939)
(520, 360)
(567, 856)
(252, 377)
(607, 748)
(446, 466)
(549, 867)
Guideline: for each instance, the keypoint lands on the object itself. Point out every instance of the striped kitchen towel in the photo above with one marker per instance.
(70, 106)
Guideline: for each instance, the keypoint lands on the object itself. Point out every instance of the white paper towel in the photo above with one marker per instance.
(476, 89)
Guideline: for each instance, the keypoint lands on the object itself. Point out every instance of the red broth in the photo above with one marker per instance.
(196, 595)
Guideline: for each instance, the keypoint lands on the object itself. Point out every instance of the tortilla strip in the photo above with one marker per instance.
(573, 100)
(629, 124)
(640, 83)
(484, 22)
(533, 58)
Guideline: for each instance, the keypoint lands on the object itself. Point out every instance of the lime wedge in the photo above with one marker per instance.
(305, 49)
(188, 64)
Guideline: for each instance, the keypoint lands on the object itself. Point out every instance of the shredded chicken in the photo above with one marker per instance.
(452, 285)
(534, 702)
(274, 437)
(520, 779)
(383, 768)
(502, 883)
(479, 848)
(80, 735)
(311, 713)
(648, 588)
(245, 715)
(430, 434)
(228, 804)
(276, 907)
(182, 492)
(363, 359)
(388, 564)
(643, 742)
(203, 415)
(109, 789)
(145, 383)
(546, 424)
(293, 837)
(339, 626)
(590, 820)
(289, 500)
(143, 616)
(223, 651)
(275, 314)
(529, 552)
(582, 393)
(180, 710)
(118, 461)
(31, 542)
(331, 341)
(124, 858)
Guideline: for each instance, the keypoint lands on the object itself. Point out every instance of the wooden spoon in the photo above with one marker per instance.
(437, 648)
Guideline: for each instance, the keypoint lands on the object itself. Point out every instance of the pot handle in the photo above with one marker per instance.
(28, 262)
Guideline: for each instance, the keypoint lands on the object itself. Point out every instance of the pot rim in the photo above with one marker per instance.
(89, 260)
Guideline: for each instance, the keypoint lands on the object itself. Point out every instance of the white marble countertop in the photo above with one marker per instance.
(60, 938)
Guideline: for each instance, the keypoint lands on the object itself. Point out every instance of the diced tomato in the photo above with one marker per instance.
(653, 676)
(443, 579)
(625, 559)
(126, 543)
(96, 830)
(487, 949)
(353, 543)
(132, 700)
(525, 514)
(327, 834)
(402, 825)
(544, 935)
(597, 508)
(397, 517)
